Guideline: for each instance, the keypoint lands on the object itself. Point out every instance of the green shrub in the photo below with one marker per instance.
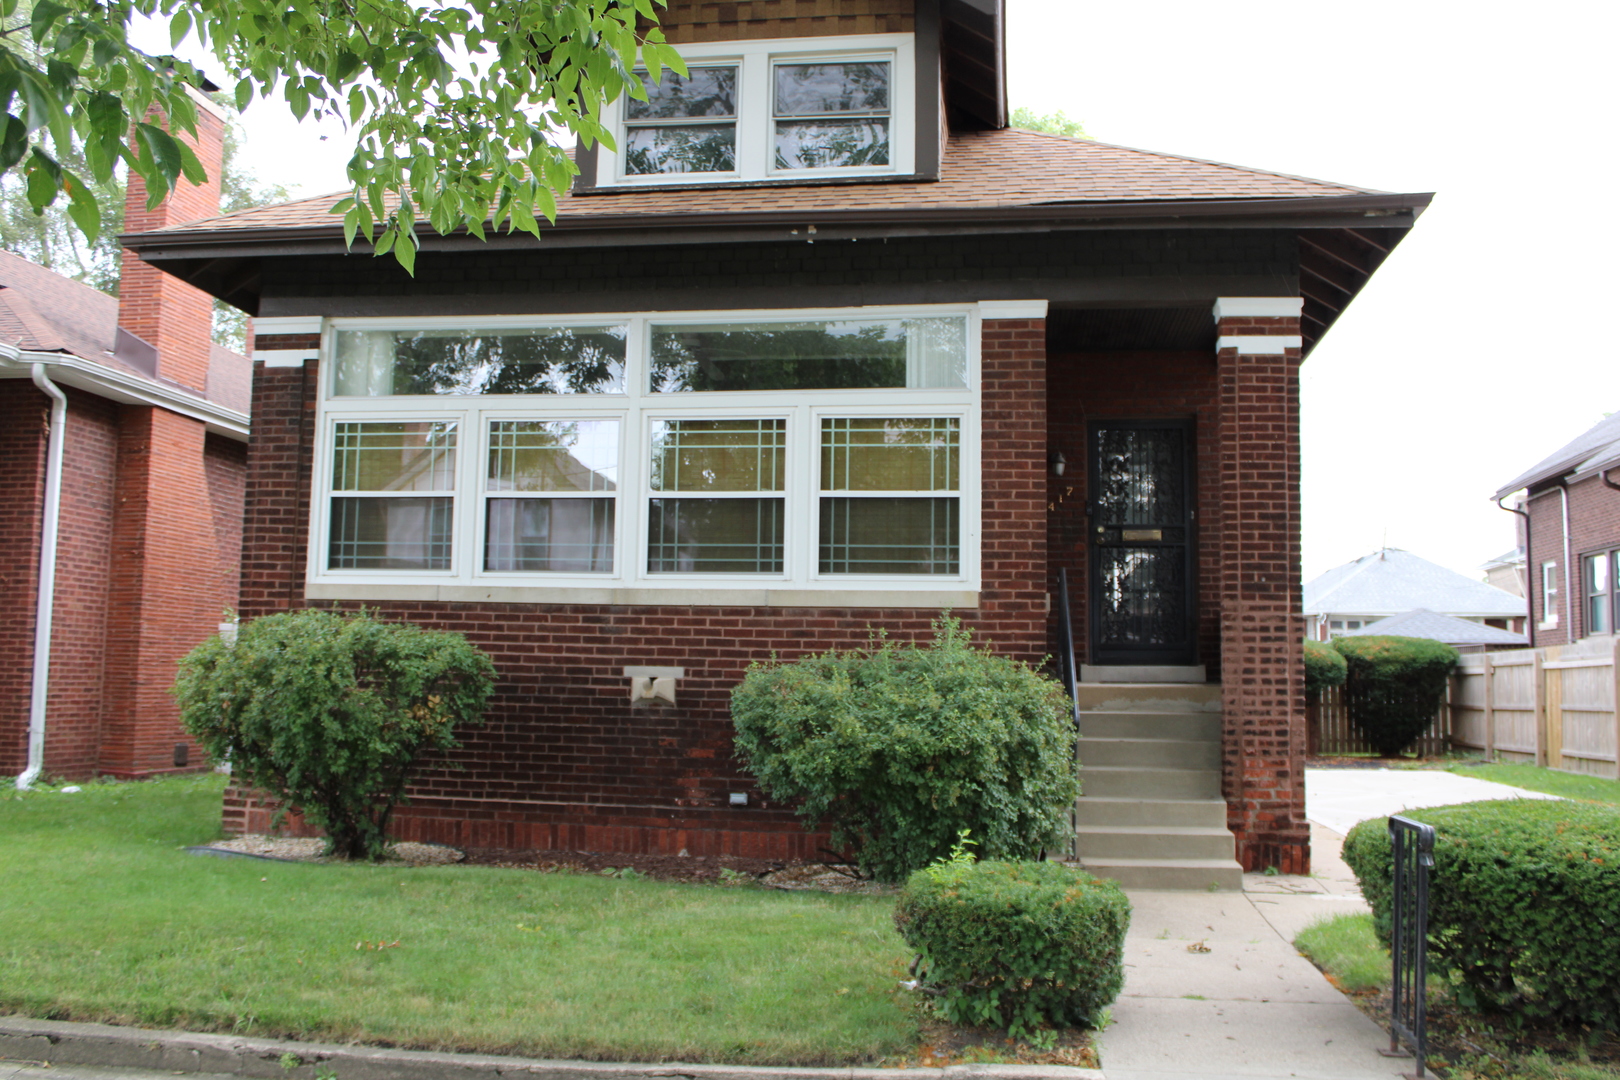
(1016, 944)
(330, 713)
(902, 747)
(1524, 904)
(1394, 686)
(1324, 668)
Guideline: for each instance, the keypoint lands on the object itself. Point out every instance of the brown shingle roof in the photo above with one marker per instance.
(42, 311)
(988, 170)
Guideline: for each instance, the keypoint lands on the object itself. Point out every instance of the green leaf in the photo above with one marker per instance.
(45, 14)
(179, 27)
(405, 253)
(13, 143)
(83, 207)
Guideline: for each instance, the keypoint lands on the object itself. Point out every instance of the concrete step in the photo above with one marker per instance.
(1117, 781)
(1167, 813)
(1112, 724)
(1219, 875)
(1151, 697)
(1150, 753)
(1154, 842)
(1141, 673)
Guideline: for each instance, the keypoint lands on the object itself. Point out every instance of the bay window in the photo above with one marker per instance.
(773, 109)
(800, 451)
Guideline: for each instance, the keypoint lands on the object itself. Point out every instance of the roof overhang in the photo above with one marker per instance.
(1357, 230)
(67, 369)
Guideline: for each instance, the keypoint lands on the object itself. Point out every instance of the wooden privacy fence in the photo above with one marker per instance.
(1330, 730)
(1552, 706)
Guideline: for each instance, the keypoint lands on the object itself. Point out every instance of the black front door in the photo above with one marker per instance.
(1140, 535)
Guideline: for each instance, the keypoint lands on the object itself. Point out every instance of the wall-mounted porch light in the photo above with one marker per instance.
(1058, 462)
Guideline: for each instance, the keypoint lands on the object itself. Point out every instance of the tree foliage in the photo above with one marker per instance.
(330, 713)
(902, 747)
(1324, 668)
(1057, 123)
(454, 105)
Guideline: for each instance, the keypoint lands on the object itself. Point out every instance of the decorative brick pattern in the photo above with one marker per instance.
(1262, 629)
(687, 21)
(563, 760)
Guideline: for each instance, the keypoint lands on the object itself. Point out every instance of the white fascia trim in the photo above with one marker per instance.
(1012, 309)
(1253, 345)
(286, 324)
(285, 357)
(75, 371)
(1258, 307)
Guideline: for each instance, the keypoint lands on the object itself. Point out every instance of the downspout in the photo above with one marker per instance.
(1569, 612)
(1529, 576)
(45, 601)
(1604, 476)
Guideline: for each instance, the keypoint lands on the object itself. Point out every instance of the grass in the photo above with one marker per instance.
(1551, 781)
(1349, 953)
(104, 918)
(1346, 947)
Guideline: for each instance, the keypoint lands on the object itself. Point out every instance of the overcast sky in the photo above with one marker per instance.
(1482, 344)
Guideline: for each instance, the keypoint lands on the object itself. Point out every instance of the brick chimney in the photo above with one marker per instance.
(165, 313)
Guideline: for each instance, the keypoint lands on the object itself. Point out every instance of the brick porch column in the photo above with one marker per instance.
(1262, 627)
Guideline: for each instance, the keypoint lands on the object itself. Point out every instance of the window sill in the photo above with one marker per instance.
(620, 596)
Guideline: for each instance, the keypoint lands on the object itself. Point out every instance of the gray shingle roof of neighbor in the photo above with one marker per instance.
(1391, 581)
(1422, 623)
(1597, 446)
(42, 311)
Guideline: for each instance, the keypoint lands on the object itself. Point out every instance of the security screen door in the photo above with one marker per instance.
(1141, 609)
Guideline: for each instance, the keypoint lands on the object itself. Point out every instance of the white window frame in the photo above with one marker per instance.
(799, 584)
(755, 123)
(1549, 596)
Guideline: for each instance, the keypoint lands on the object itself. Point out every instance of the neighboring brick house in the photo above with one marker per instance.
(828, 348)
(1570, 532)
(136, 516)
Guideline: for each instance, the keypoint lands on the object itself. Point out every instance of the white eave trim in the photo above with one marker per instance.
(286, 324)
(82, 374)
(1258, 307)
(1256, 345)
(1012, 309)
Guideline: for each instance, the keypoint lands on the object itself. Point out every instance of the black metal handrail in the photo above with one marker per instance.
(1412, 844)
(1066, 666)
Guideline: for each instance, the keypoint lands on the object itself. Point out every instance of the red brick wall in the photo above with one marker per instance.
(83, 572)
(161, 310)
(563, 761)
(24, 417)
(1141, 386)
(709, 20)
(1262, 628)
(1594, 525)
(171, 581)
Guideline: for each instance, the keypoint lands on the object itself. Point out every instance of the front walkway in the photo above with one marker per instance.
(1214, 989)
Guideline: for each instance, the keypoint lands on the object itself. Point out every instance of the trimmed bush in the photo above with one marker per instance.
(902, 747)
(1524, 904)
(1394, 686)
(1018, 945)
(1324, 668)
(330, 713)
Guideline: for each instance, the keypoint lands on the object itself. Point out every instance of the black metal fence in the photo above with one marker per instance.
(1067, 670)
(1412, 843)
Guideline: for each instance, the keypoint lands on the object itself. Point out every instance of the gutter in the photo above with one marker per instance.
(45, 599)
(1367, 211)
(76, 371)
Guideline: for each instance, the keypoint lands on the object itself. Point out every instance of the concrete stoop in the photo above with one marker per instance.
(1152, 816)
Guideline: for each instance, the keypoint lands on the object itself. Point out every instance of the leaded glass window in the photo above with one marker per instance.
(393, 496)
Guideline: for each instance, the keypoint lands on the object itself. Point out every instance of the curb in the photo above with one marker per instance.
(56, 1042)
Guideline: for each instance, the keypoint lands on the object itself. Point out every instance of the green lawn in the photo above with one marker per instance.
(103, 917)
(1551, 781)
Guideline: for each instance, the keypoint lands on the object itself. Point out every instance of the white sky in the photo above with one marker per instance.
(1467, 359)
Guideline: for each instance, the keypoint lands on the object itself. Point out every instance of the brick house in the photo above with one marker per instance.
(826, 347)
(124, 434)
(1569, 532)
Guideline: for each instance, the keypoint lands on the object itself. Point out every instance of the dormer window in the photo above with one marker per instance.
(769, 110)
